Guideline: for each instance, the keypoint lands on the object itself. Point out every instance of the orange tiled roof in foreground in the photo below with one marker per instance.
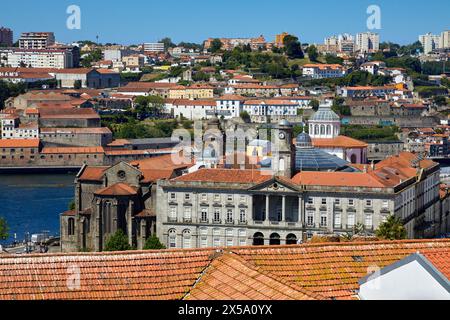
(440, 260)
(313, 271)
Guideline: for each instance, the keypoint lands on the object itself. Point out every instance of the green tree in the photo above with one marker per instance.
(216, 45)
(440, 100)
(332, 59)
(167, 43)
(3, 229)
(71, 205)
(117, 242)
(77, 84)
(153, 243)
(312, 52)
(392, 229)
(293, 47)
(245, 117)
(314, 104)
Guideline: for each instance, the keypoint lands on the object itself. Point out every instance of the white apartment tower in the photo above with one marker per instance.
(429, 42)
(368, 42)
(445, 40)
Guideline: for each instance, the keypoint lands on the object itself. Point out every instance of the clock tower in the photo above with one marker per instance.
(283, 150)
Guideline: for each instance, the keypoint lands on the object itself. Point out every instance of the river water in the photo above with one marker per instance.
(33, 202)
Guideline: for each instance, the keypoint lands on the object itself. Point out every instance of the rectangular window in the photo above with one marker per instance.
(173, 213)
(242, 242)
(187, 213)
(351, 202)
(204, 242)
(187, 196)
(217, 215)
(204, 197)
(204, 215)
(243, 199)
(310, 200)
(337, 220)
(173, 196)
(310, 218)
(369, 203)
(229, 242)
(351, 220)
(324, 201)
(369, 221)
(337, 202)
(230, 197)
(385, 204)
(230, 216)
(243, 216)
(216, 242)
(323, 220)
(217, 197)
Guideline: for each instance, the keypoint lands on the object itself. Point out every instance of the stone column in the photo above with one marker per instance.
(130, 222)
(98, 245)
(266, 218)
(300, 211)
(283, 209)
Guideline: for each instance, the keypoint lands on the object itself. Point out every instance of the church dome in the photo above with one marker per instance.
(325, 114)
(304, 140)
(284, 123)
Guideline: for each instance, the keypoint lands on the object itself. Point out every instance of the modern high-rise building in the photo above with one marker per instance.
(368, 42)
(154, 47)
(36, 40)
(445, 40)
(6, 37)
(429, 42)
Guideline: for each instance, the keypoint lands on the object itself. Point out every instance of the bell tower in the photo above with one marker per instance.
(283, 150)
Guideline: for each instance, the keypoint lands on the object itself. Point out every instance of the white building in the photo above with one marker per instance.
(417, 277)
(321, 71)
(445, 40)
(11, 129)
(37, 58)
(154, 47)
(430, 42)
(368, 42)
(36, 40)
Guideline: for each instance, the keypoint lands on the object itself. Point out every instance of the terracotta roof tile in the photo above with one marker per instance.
(19, 143)
(440, 259)
(118, 189)
(225, 176)
(339, 142)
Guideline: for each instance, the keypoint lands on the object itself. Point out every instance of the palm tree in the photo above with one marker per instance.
(392, 229)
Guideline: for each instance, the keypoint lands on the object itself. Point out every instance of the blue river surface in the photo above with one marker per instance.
(33, 202)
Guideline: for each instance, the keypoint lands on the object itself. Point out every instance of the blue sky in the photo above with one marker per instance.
(137, 21)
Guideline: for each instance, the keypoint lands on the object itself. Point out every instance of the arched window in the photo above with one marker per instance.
(187, 239)
(328, 130)
(71, 227)
(316, 129)
(258, 239)
(172, 238)
(291, 239)
(275, 239)
(353, 159)
(322, 130)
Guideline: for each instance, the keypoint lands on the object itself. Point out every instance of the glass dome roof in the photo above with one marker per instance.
(325, 114)
(308, 158)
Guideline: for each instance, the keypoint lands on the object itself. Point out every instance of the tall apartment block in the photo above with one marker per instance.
(36, 40)
(6, 37)
(368, 42)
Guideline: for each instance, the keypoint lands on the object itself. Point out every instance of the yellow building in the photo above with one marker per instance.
(195, 91)
(279, 39)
